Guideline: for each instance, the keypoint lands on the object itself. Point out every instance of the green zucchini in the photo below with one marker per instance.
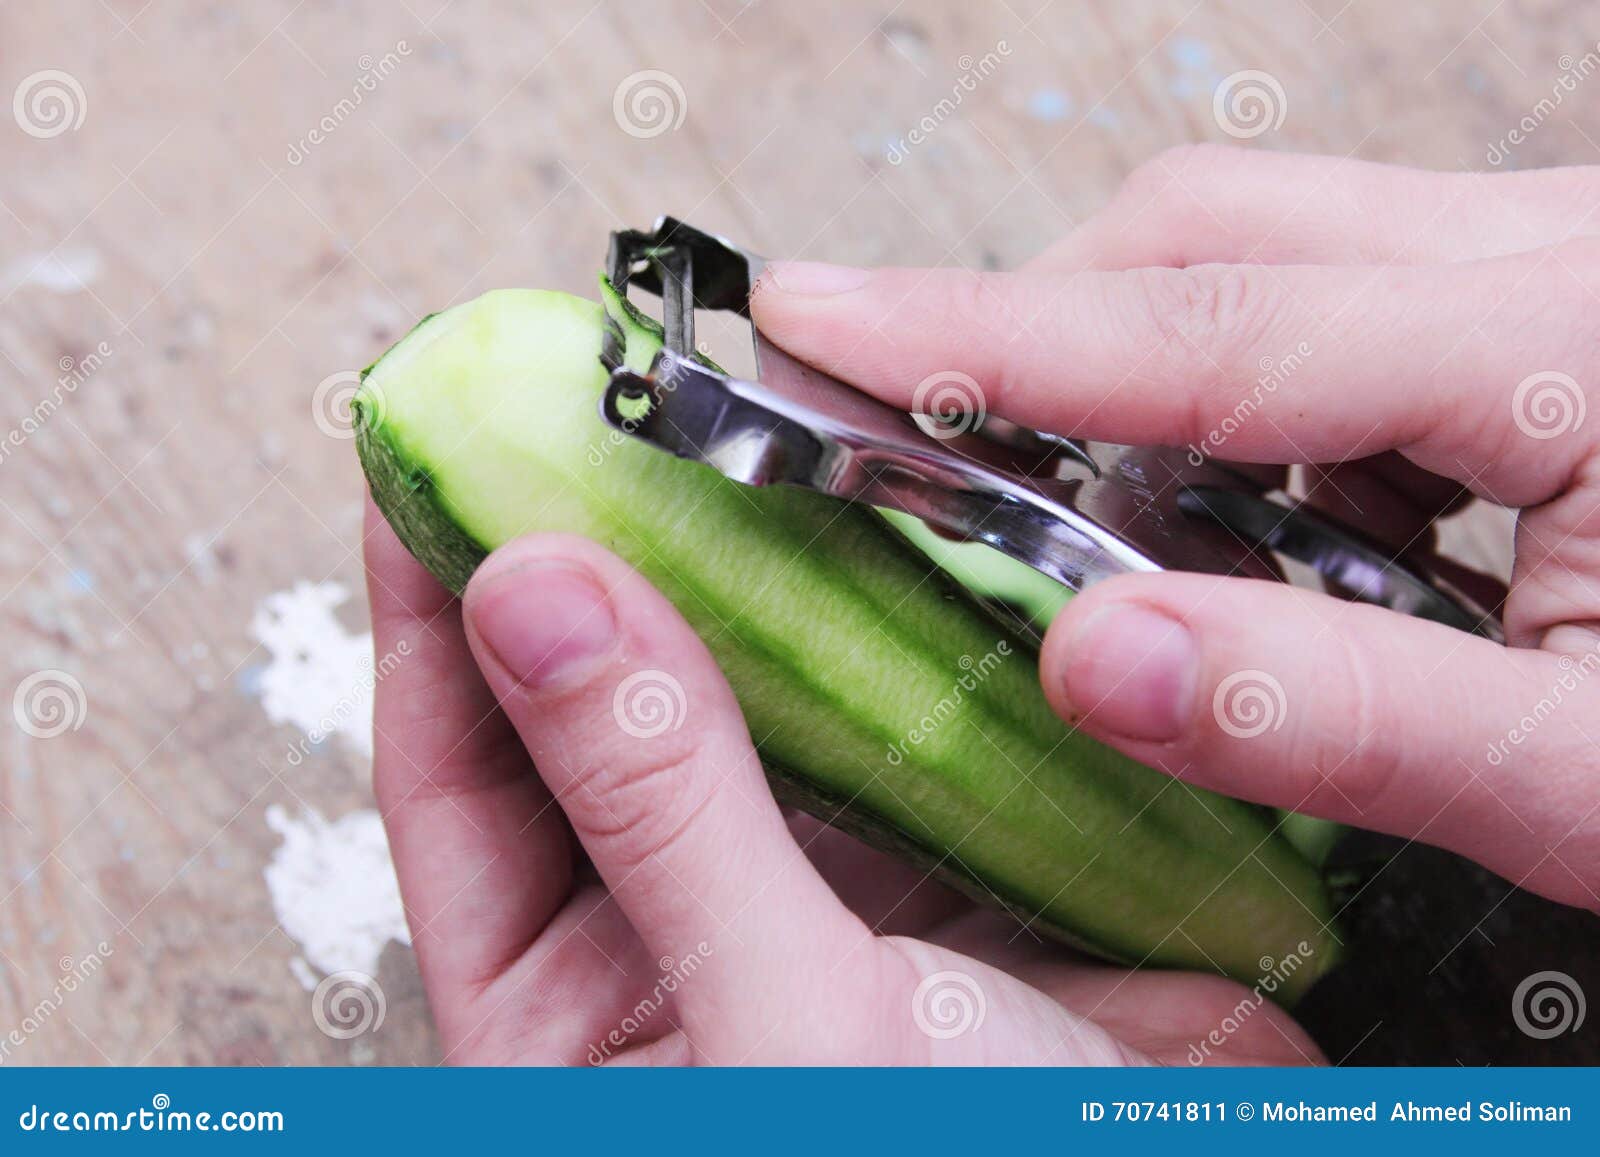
(982, 569)
(885, 697)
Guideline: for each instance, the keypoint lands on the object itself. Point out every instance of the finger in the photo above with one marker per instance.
(1361, 715)
(575, 997)
(1175, 1018)
(1296, 363)
(1169, 1016)
(638, 734)
(481, 854)
(1196, 204)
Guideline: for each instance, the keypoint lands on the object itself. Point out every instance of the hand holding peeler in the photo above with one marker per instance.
(1077, 511)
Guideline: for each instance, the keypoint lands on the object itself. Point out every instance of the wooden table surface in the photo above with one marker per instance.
(211, 214)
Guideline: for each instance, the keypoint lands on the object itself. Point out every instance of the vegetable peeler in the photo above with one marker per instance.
(1077, 511)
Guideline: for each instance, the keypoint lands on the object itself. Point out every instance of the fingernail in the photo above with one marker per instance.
(544, 621)
(816, 279)
(1131, 671)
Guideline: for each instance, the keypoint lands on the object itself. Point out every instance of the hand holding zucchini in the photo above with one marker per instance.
(885, 697)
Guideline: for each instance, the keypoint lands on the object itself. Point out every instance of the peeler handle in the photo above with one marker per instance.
(1076, 512)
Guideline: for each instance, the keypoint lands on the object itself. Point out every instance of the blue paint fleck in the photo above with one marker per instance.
(1195, 74)
(1477, 80)
(1189, 53)
(248, 680)
(82, 580)
(1104, 118)
(1049, 104)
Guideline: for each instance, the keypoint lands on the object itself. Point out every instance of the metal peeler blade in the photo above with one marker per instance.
(1076, 511)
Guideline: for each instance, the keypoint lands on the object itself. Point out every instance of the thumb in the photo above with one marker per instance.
(637, 734)
(1358, 714)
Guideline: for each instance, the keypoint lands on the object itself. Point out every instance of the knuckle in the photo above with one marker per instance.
(1162, 192)
(1339, 742)
(1185, 163)
(1177, 206)
(1149, 181)
(1355, 753)
(987, 303)
(1207, 314)
(1556, 355)
(641, 797)
(1003, 310)
(1225, 304)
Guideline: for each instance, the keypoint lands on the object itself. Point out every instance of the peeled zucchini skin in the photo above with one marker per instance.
(873, 681)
